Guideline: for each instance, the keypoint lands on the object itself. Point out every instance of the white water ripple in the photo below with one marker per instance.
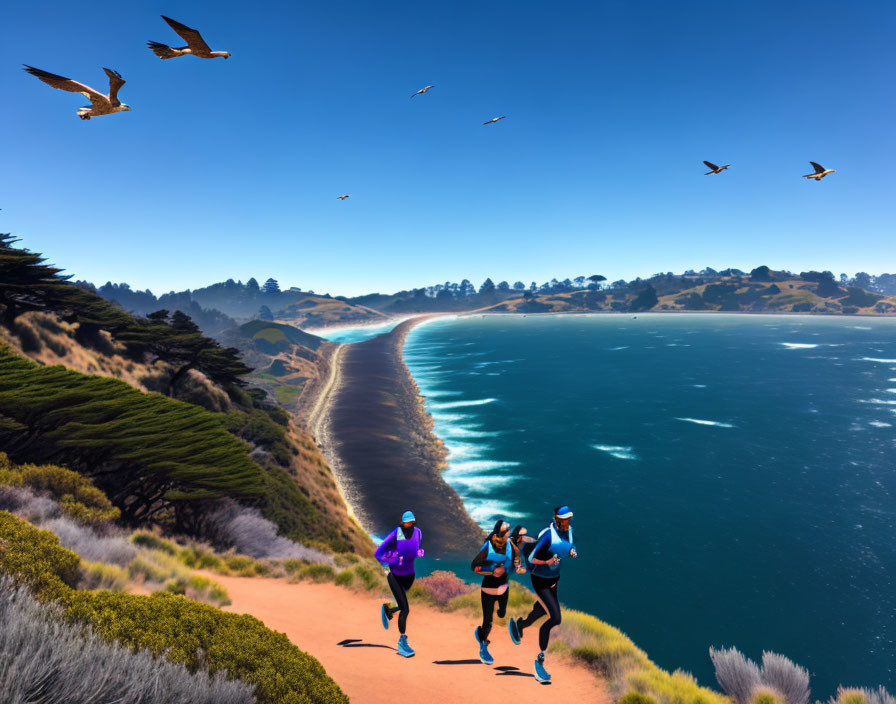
(618, 451)
(462, 404)
(698, 421)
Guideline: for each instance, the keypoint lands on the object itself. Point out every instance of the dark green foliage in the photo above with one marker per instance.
(692, 301)
(147, 452)
(198, 635)
(34, 557)
(645, 300)
(279, 335)
(801, 307)
(717, 293)
(859, 297)
(827, 287)
(26, 283)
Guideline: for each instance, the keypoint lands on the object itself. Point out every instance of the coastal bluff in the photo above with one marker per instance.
(380, 438)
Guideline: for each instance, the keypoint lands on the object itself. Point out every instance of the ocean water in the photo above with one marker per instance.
(733, 477)
(354, 333)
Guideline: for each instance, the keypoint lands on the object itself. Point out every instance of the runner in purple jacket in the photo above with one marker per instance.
(399, 550)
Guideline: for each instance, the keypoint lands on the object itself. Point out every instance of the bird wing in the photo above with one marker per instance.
(115, 82)
(163, 51)
(189, 35)
(710, 165)
(818, 167)
(63, 83)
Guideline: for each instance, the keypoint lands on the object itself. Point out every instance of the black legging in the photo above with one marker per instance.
(399, 584)
(488, 607)
(546, 591)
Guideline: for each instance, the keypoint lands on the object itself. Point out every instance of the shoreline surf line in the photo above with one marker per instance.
(379, 439)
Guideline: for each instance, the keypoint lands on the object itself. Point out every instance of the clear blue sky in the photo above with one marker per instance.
(232, 168)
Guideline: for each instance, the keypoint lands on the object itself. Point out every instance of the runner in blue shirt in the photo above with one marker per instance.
(554, 543)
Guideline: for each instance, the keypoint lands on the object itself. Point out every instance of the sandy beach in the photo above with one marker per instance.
(370, 421)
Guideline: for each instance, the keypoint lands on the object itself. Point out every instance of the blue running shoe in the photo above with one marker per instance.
(541, 675)
(484, 656)
(384, 614)
(405, 650)
(514, 629)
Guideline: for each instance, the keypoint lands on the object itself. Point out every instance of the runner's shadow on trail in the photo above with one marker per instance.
(510, 670)
(359, 643)
(457, 662)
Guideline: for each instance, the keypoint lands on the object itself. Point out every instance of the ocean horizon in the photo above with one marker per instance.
(731, 474)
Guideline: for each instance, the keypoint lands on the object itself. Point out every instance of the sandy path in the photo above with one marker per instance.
(342, 629)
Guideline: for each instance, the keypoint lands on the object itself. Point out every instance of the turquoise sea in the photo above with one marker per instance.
(733, 477)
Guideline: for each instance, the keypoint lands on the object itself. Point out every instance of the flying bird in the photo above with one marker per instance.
(99, 104)
(343, 197)
(820, 171)
(715, 169)
(422, 91)
(195, 44)
(494, 119)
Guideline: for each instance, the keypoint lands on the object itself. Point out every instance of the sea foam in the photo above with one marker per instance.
(462, 404)
(878, 359)
(797, 345)
(707, 422)
(617, 451)
(879, 424)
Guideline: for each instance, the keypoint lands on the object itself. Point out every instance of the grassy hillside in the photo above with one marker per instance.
(732, 293)
(162, 457)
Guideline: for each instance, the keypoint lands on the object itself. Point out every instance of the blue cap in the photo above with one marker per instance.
(564, 512)
(407, 517)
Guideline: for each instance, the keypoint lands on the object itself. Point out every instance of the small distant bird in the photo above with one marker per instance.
(715, 169)
(422, 91)
(820, 171)
(99, 104)
(494, 119)
(195, 44)
(343, 197)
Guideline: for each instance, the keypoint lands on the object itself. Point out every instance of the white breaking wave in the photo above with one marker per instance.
(699, 386)
(797, 345)
(434, 393)
(880, 402)
(877, 359)
(879, 424)
(616, 349)
(473, 466)
(617, 451)
(861, 327)
(462, 404)
(460, 431)
(486, 511)
(707, 422)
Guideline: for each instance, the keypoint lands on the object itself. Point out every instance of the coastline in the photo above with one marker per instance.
(370, 422)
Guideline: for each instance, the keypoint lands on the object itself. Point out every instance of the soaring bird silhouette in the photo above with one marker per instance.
(422, 91)
(820, 171)
(494, 119)
(715, 169)
(99, 104)
(343, 197)
(195, 44)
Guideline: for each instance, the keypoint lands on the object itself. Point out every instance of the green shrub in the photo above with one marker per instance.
(766, 695)
(317, 573)
(99, 575)
(75, 494)
(344, 579)
(368, 577)
(636, 697)
(199, 558)
(197, 635)
(241, 565)
(292, 565)
(34, 557)
(154, 542)
(346, 559)
(851, 696)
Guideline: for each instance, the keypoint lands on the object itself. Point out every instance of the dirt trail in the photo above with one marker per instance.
(342, 629)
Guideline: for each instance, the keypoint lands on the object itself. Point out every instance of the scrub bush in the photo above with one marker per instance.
(344, 578)
(34, 557)
(47, 661)
(197, 636)
(317, 573)
(743, 680)
(97, 575)
(635, 697)
(441, 587)
(849, 695)
(369, 578)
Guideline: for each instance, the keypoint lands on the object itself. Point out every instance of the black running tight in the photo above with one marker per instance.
(399, 584)
(546, 591)
(488, 607)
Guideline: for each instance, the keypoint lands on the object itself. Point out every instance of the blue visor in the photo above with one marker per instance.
(564, 512)
(407, 517)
